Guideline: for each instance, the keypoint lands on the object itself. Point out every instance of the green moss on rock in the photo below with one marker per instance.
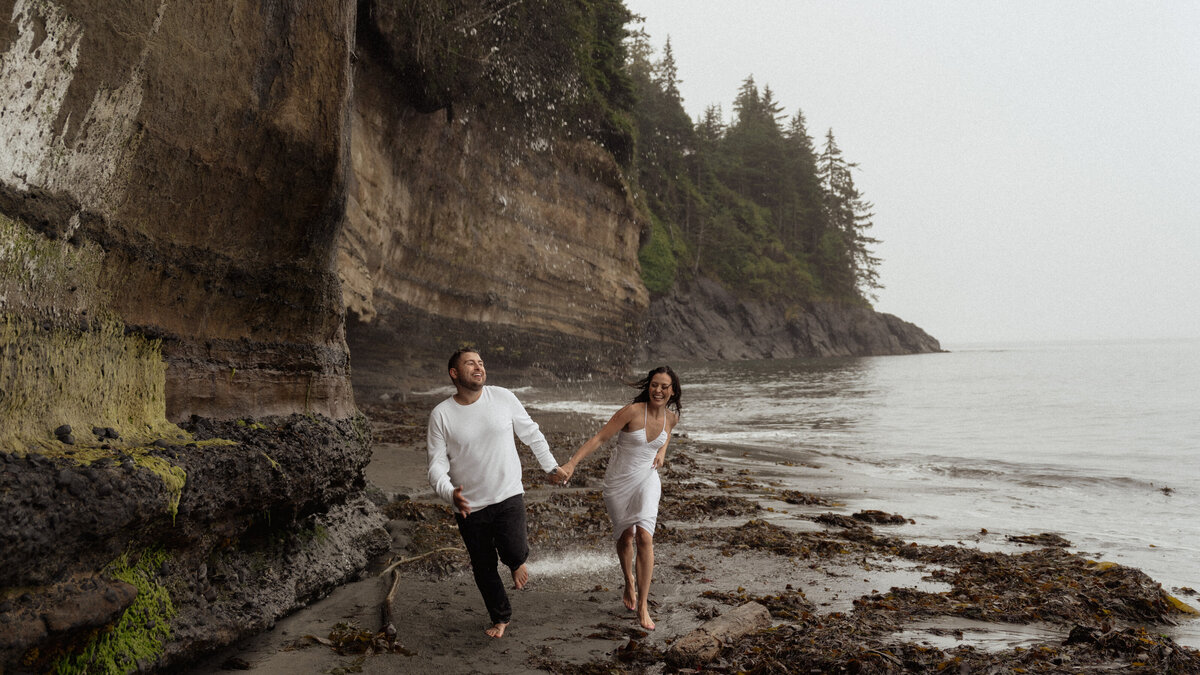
(97, 376)
(142, 632)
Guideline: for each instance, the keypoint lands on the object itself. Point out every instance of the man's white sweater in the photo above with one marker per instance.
(471, 446)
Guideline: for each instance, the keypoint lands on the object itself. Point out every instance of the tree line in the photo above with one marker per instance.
(750, 201)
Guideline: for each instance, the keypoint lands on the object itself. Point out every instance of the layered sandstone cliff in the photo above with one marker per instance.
(462, 229)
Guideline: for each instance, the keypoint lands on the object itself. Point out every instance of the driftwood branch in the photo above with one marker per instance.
(705, 643)
(418, 557)
(389, 620)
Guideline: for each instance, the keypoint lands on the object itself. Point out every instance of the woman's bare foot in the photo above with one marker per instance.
(520, 578)
(645, 620)
(497, 630)
(628, 598)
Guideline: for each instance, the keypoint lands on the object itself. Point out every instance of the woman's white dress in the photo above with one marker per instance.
(631, 485)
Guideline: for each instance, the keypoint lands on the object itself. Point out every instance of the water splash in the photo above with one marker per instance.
(569, 563)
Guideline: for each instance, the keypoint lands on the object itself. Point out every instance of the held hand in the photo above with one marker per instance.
(568, 470)
(559, 476)
(460, 503)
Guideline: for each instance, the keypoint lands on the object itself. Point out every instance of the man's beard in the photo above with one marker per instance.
(470, 384)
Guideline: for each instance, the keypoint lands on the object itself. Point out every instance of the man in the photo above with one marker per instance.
(473, 464)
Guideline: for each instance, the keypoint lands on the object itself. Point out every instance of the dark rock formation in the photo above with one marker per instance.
(266, 517)
(705, 321)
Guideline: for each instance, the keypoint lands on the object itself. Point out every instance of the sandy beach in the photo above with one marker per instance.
(845, 593)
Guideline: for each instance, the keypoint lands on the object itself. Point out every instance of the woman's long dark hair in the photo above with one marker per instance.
(643, 385)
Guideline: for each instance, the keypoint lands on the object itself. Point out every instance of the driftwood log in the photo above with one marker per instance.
(704, 644)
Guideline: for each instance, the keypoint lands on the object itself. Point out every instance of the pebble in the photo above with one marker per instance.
(63, 430)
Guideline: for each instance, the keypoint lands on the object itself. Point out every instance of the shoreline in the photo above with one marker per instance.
(840, 589)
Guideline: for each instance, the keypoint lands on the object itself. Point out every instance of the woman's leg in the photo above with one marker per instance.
(625, 556)
(645, 570)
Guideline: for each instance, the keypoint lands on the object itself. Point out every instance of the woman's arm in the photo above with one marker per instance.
(610, 429)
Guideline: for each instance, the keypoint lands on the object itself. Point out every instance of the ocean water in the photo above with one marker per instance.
(1096, 442)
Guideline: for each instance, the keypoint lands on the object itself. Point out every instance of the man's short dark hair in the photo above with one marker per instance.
(457, 355)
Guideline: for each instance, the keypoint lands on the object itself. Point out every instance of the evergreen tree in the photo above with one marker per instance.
(748, 202)
(845, 246)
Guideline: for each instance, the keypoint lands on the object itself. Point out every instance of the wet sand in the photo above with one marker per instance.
(725, 537)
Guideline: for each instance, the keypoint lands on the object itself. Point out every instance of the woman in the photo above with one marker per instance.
(631, 485)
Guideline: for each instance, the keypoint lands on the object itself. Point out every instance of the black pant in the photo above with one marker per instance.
(495, 531)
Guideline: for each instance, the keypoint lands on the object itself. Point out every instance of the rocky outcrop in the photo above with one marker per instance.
(221, 531)
(702, 320)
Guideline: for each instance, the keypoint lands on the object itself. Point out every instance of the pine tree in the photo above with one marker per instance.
(803, 210)
(845, 246)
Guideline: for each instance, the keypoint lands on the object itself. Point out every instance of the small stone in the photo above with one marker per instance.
(162, 443)
(64, 430)
(68, 439)
(111, 433)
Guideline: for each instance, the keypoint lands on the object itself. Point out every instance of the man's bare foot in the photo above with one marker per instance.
(628, 598)
(497, 630)
(645, 620)
(520, 578)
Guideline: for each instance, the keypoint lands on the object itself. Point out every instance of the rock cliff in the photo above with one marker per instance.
(177, 413)
(460, 229)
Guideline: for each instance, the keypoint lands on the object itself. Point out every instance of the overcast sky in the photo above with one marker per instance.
(1034, 165)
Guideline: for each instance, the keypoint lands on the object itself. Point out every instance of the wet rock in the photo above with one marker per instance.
(63, 430)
